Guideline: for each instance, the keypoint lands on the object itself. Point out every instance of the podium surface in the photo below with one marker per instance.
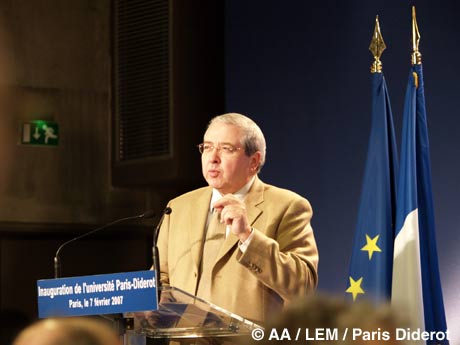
(183, 316)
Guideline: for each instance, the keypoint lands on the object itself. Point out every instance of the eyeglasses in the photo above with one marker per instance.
(226, 149)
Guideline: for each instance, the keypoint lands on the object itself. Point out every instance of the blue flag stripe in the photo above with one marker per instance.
(432, 293)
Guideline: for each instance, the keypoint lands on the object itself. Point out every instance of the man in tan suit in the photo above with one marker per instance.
(239, 243)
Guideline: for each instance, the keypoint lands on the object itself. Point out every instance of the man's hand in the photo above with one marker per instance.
(233, 212)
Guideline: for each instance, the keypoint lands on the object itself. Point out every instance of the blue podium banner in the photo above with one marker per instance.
(97, 294)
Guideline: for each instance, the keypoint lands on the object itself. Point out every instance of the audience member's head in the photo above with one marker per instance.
(68, 331)
(331, 314)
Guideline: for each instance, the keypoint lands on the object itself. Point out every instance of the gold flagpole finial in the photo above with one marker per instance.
(416, 55)
(377, 47)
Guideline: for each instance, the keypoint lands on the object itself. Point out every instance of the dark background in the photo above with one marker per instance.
(301, 71)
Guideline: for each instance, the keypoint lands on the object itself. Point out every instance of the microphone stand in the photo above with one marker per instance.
(57, 259)
(155, 253)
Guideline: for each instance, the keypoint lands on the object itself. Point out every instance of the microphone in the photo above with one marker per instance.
(155, 256)
(57, 259)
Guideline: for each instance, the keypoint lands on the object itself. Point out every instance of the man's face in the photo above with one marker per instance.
(224, 171)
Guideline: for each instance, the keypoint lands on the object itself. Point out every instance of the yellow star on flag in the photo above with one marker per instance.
(355, 287)
(371, 246)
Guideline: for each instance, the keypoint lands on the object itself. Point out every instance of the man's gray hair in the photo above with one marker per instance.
(253, 138)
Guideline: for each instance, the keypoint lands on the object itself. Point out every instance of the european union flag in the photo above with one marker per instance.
(416, 281)
(372, 257)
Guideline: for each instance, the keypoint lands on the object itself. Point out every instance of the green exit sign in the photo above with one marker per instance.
(40, 133)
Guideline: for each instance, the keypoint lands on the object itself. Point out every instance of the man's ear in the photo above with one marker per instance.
(255, 161)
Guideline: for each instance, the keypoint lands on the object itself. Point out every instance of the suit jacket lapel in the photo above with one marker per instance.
(197, 225)
(253, 199)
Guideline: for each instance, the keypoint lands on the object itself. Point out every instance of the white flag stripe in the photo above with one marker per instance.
(407, 293)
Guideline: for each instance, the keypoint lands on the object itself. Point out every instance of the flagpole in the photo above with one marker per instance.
(416, 55)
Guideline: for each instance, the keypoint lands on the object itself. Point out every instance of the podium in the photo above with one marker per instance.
(182, 318)
(131, 300)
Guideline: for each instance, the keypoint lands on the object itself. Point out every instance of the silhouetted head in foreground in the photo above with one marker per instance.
(325, 320)
(68, 331)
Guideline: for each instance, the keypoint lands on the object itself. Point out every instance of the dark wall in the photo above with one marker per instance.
(58, 58)
(60, 72)
(301, 70)
(27, 252)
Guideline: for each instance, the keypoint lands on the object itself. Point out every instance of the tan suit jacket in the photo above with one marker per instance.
(279, 264)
